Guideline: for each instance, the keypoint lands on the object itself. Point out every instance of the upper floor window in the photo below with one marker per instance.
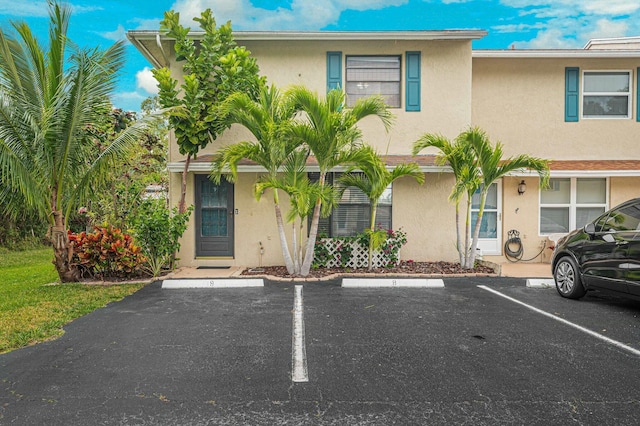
(606, 94)
(373, 75)
(571, 203)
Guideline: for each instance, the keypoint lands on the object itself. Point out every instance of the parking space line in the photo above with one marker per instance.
(564, 321)
(299, 371)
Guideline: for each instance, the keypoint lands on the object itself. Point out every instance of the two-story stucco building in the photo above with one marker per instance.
(578, 108)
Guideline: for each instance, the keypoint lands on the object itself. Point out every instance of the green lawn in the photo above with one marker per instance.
(33, 310)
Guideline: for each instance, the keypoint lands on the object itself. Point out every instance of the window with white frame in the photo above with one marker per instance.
(606, 94)
(373, 75)
(352, 215)
(571, 203)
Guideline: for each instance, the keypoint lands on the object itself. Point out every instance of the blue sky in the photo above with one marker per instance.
(519, 23)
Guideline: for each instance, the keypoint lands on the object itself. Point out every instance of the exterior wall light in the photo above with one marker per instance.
(522, 188)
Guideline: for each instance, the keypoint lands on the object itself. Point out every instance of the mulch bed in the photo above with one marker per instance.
(404, 268)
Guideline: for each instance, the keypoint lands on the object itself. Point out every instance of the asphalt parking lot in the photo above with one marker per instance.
(480, 351)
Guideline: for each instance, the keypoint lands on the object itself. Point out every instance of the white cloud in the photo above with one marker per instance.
(118, 34)
(32, 9)
(128, 101)
(572, 23)
(606, 28)
(146, 81)
(301, 15)
(547, 39)
(596, 7)
(37, 8)
(516, 28)
(609, 7)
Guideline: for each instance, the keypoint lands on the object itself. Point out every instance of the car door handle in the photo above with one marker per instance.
(622, 243)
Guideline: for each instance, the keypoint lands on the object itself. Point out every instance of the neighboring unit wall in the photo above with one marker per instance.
(623, 189)
(521, 102)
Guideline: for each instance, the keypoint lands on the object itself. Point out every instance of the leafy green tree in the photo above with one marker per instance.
(373, 178)
(47, 99)
(330, 131)
(269, 119)
(122, 192)
(214, 67)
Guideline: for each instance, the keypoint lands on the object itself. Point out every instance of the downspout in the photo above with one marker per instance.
(164, 54)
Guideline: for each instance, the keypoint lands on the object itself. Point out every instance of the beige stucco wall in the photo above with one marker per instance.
(520, 102)
(255, 223)
(521, 212)
(623, 189)
(445, 109)
(445, 87)
(426, 215)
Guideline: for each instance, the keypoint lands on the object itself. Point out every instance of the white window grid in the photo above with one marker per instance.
(628, 94)
(573, 204)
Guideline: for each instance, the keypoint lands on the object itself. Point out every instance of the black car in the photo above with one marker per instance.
(604, 255)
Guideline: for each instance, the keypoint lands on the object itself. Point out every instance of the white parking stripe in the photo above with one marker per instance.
(564, 321)
(299, 372)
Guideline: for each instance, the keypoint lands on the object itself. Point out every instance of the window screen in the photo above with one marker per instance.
(373, 75)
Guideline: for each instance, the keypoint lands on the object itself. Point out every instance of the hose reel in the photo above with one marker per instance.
(513, 249)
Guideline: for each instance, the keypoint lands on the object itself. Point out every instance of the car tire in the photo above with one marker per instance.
(567, 278)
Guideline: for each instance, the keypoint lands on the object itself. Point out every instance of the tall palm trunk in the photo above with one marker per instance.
(62, 250)
(476, 231)
(458, 237)
(467, 235)
(288, 262)
(313, 232)
(372, 228)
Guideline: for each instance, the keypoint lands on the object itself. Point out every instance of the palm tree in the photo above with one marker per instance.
(47, 100)
(268, 118)
(294, 181)
(330, 132)
(459, 158)
(493, 167)
(475, 164)
(373, 179)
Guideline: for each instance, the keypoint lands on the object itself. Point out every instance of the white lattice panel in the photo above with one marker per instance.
(359, 255)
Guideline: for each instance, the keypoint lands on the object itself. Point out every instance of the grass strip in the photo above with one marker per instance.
(32, 310)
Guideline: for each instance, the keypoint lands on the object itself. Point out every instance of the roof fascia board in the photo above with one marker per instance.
(329, 35)
(581, 173)
(178, 167)
(612, 40)
(551, 54)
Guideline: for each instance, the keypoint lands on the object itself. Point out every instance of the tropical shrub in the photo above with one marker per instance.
(106, 253)
(158, 231)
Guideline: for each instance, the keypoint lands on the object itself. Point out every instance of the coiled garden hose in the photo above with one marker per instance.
(513, 249)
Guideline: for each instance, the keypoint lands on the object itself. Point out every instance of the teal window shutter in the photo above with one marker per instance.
(334, 70)
(638, 95)
(572, 94)
(413, 81)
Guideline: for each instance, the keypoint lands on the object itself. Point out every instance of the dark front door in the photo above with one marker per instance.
(214, 217)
